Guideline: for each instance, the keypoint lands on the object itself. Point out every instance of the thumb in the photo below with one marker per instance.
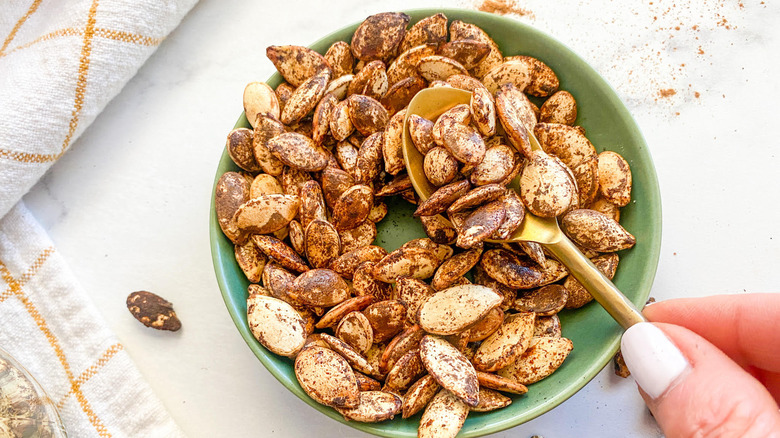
(694, 389)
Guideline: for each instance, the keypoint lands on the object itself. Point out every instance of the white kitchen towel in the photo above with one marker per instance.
(61, 62)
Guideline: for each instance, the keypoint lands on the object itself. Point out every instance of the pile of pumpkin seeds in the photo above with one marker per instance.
(374, 334)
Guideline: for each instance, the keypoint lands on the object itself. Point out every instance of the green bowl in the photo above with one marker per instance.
(595, 335)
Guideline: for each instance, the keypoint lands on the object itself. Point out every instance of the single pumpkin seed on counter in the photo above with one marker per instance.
(373, 407)
(542, 358)
(443, 417)
(327, 378)
(153, 311)
(452, 310)
(450, 368)
(276, 324)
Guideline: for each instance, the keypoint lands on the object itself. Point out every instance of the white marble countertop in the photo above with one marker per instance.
(128, 205)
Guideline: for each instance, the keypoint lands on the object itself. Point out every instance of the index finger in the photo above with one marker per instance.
(746, 326)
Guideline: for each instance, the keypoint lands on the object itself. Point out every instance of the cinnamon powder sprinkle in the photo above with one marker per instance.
(502, 7)
(667, 92)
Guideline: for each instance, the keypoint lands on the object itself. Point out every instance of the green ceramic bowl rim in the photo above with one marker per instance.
(653, 191)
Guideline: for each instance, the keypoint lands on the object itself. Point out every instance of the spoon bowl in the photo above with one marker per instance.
(430, 104)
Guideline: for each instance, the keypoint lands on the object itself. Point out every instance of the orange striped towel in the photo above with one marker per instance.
(61, 62)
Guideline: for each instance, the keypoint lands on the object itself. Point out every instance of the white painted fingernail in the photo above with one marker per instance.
(654, 361)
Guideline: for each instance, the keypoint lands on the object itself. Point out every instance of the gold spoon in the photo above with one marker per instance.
(430, 103)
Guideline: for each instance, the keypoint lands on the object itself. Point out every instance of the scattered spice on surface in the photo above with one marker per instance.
(502, 7)
(668, 92)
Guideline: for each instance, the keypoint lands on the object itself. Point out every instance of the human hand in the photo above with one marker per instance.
(723, 377)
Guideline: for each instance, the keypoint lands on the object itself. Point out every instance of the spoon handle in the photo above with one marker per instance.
(602, 289)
